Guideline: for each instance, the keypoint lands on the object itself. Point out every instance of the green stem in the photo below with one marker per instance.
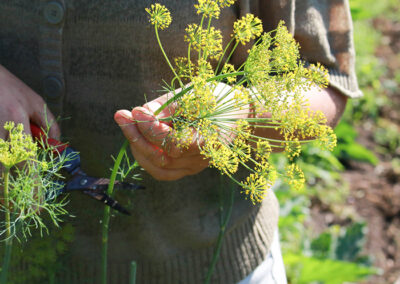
(132, 279)
(205, 55)
(166, 57)
(187, 89)
(221, 234)
(232, 51)
(8, 240)
(223, 54)
(199, 29)
(106, 215)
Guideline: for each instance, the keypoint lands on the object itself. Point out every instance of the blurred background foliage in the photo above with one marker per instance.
(330, 249)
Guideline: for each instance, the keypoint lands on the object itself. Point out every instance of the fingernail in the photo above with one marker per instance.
(123, 118)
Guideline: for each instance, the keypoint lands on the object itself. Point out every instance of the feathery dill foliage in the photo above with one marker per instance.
(29, 183)
(225, 105)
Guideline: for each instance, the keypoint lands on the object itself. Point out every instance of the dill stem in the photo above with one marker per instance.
(222, 56)
(132, 278)
(200, 28)
(221, 231)
(8, 240)
(232, 51)
(106, 215)
(166, 57)
(205, 55)
(187, 89)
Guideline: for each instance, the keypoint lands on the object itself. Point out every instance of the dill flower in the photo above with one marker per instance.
(184, 67)
(19, 148)
(221, 157)
(295, 177)
(257, 184)
(225, 3)
(224, 118)
(208, 8)
(263, 150)
(159, 16)
(207, 40)
(247, 28)
(29, 183)
(229, 68)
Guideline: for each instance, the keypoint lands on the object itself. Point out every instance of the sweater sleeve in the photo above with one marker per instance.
(324, 31)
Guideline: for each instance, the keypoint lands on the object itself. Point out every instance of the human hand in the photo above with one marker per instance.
(152, 146)
(21, 104)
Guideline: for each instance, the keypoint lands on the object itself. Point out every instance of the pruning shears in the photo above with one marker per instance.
(79, 180)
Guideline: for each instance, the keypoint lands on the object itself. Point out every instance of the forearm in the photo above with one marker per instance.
(329, 101)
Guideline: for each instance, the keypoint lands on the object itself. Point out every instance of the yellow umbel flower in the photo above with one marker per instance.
(295, 177)
(184, 68)
(263, 150)
(225, 3)
(208, 8)
(257, 184)
(159, 16)
(20, 146)
(208, 41)
(247, 28)
(221, 157)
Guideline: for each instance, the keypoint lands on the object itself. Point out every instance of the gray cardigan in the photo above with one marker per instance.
(89, 58)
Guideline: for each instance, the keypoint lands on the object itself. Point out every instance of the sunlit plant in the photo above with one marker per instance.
(227, 105)
(29, 183)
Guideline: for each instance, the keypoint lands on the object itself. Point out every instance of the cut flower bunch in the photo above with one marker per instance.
(222, 106)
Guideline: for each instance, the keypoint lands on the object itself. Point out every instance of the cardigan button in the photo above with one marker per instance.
(54, 12)
(52, 88)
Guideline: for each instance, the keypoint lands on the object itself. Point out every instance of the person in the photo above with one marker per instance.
(85, 59)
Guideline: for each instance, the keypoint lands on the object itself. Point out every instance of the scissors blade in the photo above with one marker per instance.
(100, 196)
(127, 186)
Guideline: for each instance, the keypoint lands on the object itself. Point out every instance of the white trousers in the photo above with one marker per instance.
(271, 270)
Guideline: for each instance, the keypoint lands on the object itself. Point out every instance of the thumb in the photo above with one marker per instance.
(126, 122)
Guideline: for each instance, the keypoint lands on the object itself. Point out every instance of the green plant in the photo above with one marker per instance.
(30, 185)
(349, 149)
(306, 270)
(42, 257)
(122, 169)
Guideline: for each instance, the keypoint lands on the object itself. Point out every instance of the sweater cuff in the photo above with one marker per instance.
(346, 84)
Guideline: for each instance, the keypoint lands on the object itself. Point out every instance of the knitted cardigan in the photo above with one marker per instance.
(88, 58)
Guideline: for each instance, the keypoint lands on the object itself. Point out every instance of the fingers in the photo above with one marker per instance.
(161, 134)
(154, 159)
(42, 116)
(19, 103)
(16, 114)
(154, 105)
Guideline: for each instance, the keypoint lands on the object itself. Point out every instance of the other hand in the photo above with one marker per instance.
(21, 104)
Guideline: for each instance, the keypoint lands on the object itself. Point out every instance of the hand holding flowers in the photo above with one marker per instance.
(199, 124)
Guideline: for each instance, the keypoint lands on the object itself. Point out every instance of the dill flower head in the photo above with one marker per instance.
(183, 67)
(225, 3)
(20, 146)
(159, 16)
(208, 8)
(295, 177)
(208, 41)
(30, 183)
(247, 28)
